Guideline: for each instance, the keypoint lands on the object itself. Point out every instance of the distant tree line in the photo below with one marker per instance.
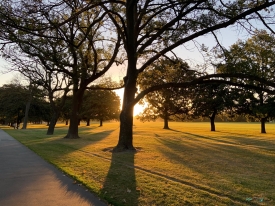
(16, 99)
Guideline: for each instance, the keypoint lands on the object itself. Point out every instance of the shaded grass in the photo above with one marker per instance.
(187, 165)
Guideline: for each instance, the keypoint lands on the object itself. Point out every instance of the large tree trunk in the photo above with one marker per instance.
(100, 122)
(166, 123)
(88, 122)
(75, 119)
(56, 110)
(52, 124)
(212, 123)
(55, 115)
(73, 127)
(263, 120)
(125, 141)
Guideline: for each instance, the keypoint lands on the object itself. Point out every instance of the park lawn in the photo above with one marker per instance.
(186, 165)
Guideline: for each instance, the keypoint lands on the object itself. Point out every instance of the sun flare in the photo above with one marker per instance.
(137, 109)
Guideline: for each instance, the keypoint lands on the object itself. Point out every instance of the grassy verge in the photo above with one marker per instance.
(187, 165)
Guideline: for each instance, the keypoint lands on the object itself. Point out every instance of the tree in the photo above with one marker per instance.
(40, 72)
(255, 108)
(211, 100)
(40, 111)
(150, 29)
(100, 105)
(13, 104)
(254, 56)
(33, 92)
(166, 102)
(76, 47)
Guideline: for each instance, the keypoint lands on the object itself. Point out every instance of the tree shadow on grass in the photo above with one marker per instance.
(120, 187)
(233, 139)
(227, 162)
(69, 145)
(201, 136)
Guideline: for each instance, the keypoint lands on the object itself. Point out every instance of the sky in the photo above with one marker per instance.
(187, 52)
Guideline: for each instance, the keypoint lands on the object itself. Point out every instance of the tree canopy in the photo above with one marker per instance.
(76, 48)
(100, 105)
(13, 103)
(210, 100)
(166, 102)
(255, 56)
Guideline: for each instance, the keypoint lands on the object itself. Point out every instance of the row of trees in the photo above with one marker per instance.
(79, 41)
(255, 56)
(14, 103)
(18, 104)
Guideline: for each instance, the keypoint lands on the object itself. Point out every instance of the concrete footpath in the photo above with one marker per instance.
(27, 180)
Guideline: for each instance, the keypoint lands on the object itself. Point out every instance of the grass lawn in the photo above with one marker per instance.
(187, 165)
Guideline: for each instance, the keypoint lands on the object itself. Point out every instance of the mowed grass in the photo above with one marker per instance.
(187, 165)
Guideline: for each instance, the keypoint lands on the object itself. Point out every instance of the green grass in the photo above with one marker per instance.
(187, 165)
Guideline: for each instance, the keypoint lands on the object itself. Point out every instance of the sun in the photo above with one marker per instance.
(137, 109)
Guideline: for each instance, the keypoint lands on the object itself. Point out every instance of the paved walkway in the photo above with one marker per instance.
(28, 180)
